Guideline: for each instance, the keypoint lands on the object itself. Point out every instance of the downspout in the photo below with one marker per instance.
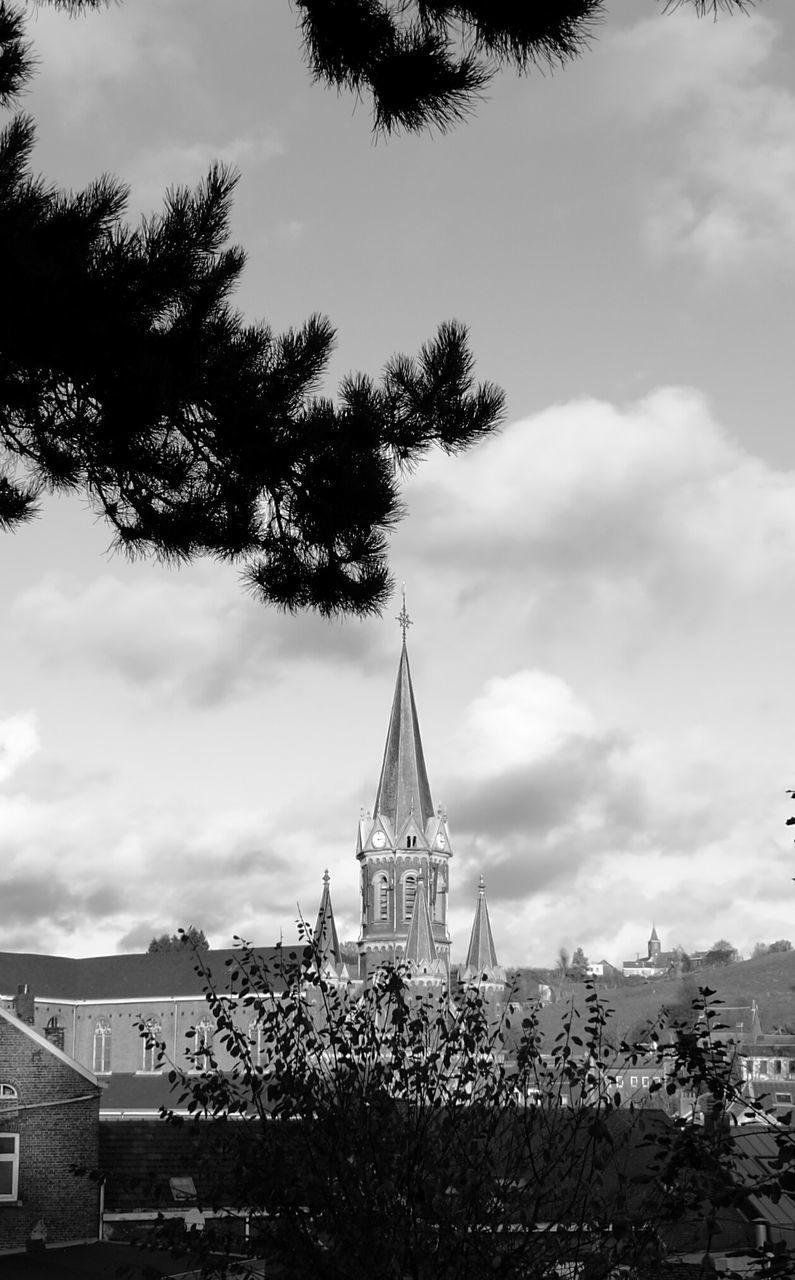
(74, 1030)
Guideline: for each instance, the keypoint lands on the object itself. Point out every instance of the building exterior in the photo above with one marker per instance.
(49, 1121)
(655, 964)
(404, 851)
(93, 1009)
(768, 1068)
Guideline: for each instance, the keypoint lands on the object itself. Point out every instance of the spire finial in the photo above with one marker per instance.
(403, 617)
(326, 876)
(481, 884)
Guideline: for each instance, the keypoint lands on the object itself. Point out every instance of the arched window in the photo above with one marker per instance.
(149, 1060)
(55, 1032)
(8, 1101)
(202, 1044)
(409, 893)
(102, 1037)
(381, 896)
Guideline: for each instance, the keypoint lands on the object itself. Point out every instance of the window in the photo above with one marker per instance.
(102, 1036)
(149, 1046)
(633, 1080)
(409, 894)
(763, 1066)
(7, 1091)
(55, 1033)
(381, 897)
(777, 1067)
(9, 1165)
(783, 1097)
(202, 1044)
(257, 1040)
(645, 1082)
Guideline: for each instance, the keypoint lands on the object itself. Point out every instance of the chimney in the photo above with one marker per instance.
(25, 1004)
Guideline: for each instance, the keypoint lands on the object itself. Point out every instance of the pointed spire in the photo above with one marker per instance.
(654, 937)
(325, 935)
(403, 788)
(481, 956)
(420, 946)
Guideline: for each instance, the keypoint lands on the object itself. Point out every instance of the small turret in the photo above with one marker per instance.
(482, 964)
(325, 935)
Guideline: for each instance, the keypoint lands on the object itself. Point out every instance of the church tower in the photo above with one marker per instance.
(403, 848)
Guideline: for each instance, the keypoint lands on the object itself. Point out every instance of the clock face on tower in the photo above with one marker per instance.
(379, 839)
(440, 840)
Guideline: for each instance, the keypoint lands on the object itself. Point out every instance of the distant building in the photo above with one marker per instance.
(768, 1068)
(603, 969)
(655, 964)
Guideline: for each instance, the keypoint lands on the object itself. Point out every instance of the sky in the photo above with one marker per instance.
(602, 595)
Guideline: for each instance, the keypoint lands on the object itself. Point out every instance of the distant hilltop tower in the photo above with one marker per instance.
(404, 852)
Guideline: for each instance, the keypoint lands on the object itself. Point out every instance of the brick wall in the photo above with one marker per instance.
(51, 1139)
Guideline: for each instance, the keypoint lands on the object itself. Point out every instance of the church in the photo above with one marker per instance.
(90, 1008)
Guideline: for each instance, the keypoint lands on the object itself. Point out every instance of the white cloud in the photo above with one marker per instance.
(652, 498)
(19, 740)
(723, 186)
(520, 720)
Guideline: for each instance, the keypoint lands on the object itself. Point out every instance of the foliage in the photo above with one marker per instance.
(126, 375)
(770, 948)
(386, 1132)
(721, 952)
(191, 938)
(426, 63)
(578, 969)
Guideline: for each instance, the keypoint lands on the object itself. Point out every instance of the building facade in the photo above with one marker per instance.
(92, 1009)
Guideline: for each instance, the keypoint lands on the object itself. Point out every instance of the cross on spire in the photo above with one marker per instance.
(403, 617)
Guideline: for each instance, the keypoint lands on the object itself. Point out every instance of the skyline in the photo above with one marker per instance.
(602, 594)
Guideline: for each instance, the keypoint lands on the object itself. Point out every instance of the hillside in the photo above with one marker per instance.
(769, 980)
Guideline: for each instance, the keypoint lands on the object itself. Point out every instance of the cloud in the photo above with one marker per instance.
(650, 502)
(724, 188)
(19, 741)
(201, 642)
(155, 170)
(86, 56)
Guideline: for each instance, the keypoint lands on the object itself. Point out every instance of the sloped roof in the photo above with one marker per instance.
(481, 954)
(325, 935)
(163, 974)
(136, 1091)
(403, 787)
(420, 946)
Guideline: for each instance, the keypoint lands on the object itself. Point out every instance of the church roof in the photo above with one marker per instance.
(119, 977)
(481, 954)
(420, 946)
(403, 787)
(325, 935)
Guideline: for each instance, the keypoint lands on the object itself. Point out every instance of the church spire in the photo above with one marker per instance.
(420, 946)
(325, 935)
(403, 788)
(481, 956)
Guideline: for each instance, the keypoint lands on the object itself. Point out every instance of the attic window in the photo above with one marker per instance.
(183, 1189)
(8, 1091)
